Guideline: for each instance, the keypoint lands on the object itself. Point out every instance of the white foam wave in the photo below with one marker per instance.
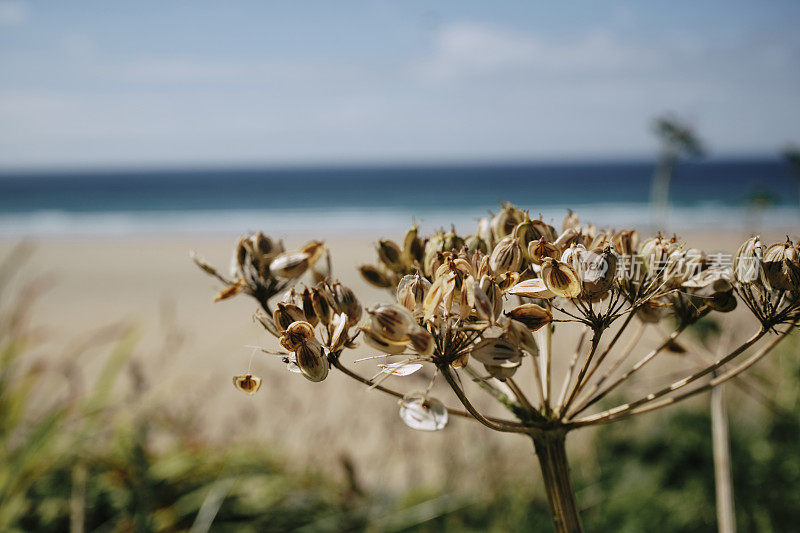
(372, 221)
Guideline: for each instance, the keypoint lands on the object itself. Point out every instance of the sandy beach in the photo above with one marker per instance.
(151, 284)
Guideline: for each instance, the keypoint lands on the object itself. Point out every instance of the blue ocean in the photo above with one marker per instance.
(715, 194)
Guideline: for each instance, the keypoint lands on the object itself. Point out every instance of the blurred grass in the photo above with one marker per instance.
(76, 458)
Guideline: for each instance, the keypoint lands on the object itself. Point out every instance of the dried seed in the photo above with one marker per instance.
(422, 412)
(531, 315)
(391, 322)
(310, 358)
(247, 383)
(375, 276)
(560, 278)
(290, 265)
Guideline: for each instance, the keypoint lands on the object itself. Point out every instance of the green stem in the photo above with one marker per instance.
(552, 453)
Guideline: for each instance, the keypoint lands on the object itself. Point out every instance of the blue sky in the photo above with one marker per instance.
(214, 83)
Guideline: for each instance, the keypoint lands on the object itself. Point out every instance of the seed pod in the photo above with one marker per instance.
(296, 334)
(518, 333)
(413, 249)
(505, 221)
(654, 254)
(570, 221)
(507, 256)
(433, 300)
(339, 335)
(531, 288)
(285, 314)
(310, 358)
(723, 302)
(422, 412)
(391, 255)
(268, 322)
(560, 278)
(570, 236)
(598, 269)
(264, 244)
(531, 315)
(493, 292)
(322, 302)
(574, 256)
(308, 307)
(507, 280)
(375, 276)
(433, 260)
(247, 383)
(710, 281)
(452, 241)
(627, 242)
(241, 257)
(504, 370)
(314, 250)
(377, 341)
(544, 229)
(448, 292)
(602, 240)
(290, 265)
(483, 306)
(421, 340)
(345, 301)
(391, 322)
(539, 249)
(588, 233)
(526, 232)
(495, 351)
(485, 233)
(466, 298)
(473, 243)
(747, 264)
(411, 292)
(782, 266)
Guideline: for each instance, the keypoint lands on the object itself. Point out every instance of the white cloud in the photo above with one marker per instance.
(13, 13)
(476, 91)
(468, 50)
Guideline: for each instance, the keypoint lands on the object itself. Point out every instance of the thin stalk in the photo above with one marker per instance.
(551, 451)
(496, 392)
(726, 519)
(548, 344)
(605, 352)
(646, 359)
(349, 373)
(648, 403)
(584, 368)
(571, 370)
(537, 377)
(637, 336)
(497, 426)
(521, 398)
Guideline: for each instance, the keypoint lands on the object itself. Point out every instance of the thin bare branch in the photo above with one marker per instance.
(646, 359)
(648, 403)
(583, 401)
(497, 426)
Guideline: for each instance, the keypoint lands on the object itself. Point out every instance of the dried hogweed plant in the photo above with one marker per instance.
(478, 307)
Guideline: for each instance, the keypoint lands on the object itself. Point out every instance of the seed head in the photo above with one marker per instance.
(560, 278)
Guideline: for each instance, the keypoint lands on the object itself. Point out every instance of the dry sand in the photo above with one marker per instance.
(151, 283)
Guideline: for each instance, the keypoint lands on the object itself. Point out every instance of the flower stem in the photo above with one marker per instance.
(551, 450)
